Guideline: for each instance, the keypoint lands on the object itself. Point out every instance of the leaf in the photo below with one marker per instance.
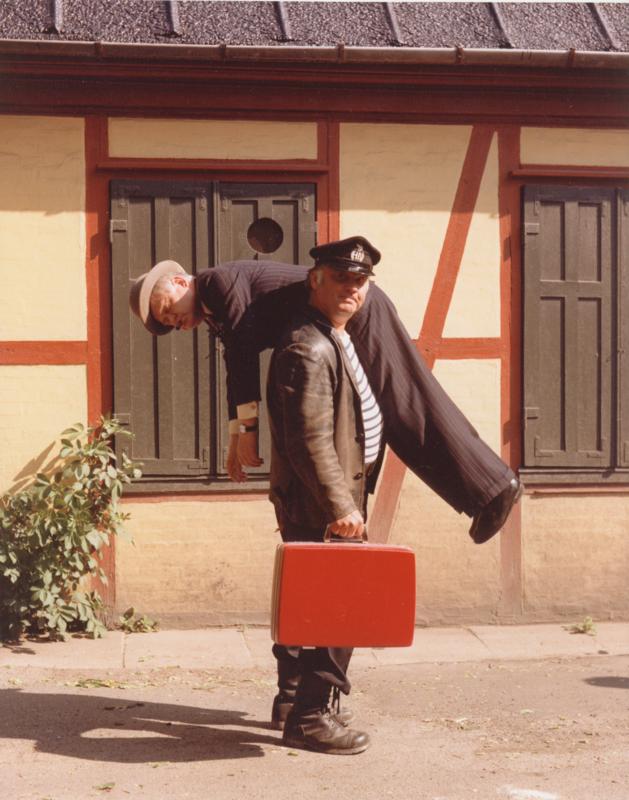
(69, 431)
(94, 538)
(105, 787)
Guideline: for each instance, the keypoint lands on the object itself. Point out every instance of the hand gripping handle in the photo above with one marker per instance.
(327, 536)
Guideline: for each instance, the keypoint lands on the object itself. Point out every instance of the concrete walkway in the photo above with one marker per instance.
(487, 713)
(243, 647)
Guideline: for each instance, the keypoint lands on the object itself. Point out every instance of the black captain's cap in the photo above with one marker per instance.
(354, 254)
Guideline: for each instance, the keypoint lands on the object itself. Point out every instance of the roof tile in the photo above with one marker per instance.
(245, 23)
(617, 17)
(552, 26)
(447, 25)
(358, 24)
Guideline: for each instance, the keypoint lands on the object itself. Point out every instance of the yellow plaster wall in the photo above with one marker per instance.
(42, 228)
(36, 404)
(397, 187)
(196, 138)
(587, 147)
(474, 385)
(475, 307)
(207, 560)
(457, 581)
(576, 555)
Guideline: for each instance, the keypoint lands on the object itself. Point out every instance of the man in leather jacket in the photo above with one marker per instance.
(326, 432)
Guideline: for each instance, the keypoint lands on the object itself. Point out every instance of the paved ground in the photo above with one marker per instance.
(527, 713)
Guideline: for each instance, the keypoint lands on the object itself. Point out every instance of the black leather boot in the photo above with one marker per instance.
(288, 679)
(311, 726)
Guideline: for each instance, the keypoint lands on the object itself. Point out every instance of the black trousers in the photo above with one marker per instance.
(422, 425)
(329, 663)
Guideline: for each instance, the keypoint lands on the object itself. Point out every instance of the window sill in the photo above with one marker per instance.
(216, 487)
(536, 480)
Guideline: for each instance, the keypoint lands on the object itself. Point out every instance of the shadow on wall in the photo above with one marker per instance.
(76, 726)
(41, 463)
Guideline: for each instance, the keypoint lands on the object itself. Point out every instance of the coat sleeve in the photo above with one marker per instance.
(232, 288)
(305, 382)
(242, 364)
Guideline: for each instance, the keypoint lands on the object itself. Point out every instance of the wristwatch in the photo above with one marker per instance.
(247, 428)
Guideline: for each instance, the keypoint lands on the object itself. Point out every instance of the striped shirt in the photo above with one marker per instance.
(372, 418)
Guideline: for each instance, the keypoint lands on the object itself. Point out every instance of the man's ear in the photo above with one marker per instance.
(182, 280)
(315, 277)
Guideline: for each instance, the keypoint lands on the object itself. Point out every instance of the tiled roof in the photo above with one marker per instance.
(559, 27)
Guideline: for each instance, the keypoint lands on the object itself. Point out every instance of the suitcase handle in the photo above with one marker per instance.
(327, 536)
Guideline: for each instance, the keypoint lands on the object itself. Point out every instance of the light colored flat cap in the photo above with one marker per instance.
(140, 295)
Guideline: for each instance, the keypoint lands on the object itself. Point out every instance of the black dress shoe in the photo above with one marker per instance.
(316, 729)
(490, 519)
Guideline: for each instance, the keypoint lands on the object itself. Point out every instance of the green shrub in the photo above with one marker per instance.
(51, 534)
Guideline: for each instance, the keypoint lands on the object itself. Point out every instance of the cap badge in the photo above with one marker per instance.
(358, 253)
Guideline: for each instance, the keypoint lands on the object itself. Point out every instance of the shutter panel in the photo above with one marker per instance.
(292, 208)
(623, 329)
(568, 365)
(160, 383)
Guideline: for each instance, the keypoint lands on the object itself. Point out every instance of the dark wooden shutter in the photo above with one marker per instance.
(292, 207)
(568, 316)
(623, 329)
(160, 383)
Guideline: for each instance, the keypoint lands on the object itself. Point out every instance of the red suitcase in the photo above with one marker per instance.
(343, 594)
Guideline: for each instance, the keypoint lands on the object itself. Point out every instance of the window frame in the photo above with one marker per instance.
(617, 474)
(210, 480)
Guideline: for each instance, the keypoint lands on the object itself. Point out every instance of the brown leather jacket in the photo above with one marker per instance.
(317, 462)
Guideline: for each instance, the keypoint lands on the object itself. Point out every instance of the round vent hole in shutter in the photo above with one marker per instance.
(265, 235)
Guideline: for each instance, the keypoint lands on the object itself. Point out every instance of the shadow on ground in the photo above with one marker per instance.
(124, 730)
(609, 682)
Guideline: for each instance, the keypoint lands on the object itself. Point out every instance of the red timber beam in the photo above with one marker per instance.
(431, 333)
(99, 359)
(511, 597)
(38, 353)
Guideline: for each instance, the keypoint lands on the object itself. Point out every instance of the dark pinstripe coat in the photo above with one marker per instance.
(254, 300)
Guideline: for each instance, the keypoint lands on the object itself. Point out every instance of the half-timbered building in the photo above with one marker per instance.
(482, 147)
